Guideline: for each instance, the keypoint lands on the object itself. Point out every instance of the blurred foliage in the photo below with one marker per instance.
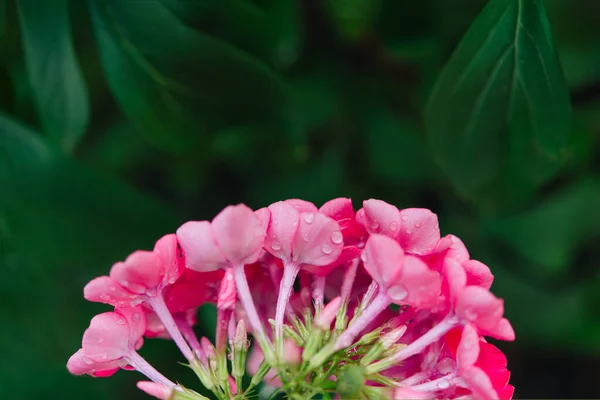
(120, 119)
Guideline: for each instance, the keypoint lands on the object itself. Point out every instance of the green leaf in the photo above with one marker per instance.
(61, 224)
(500, 108)
(175, 81)
(60, 92)
(353, 18)
(550, 234)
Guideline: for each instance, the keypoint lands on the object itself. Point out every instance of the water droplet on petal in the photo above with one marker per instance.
(417, 224)
(405, 218)
(397, 293)
(375, 225)
(87, 361)
(104, 297)
(443, 385)
(135, 317)
(363, 256)
(103, 356)
(309, 218)
(408, 232)
(305, 237)
(276, 245)
(100, 339)
(120, 322)
(124, 283)
(336, 237)
(393, 226)
(326, 249)
(113, 289)
(470, 314)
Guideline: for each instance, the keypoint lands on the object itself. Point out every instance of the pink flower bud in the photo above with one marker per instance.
(158, 390)
(327, 315)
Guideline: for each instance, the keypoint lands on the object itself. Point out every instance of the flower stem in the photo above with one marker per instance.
(141, 365)
(290, 271)
(379, 303)
(160, 308)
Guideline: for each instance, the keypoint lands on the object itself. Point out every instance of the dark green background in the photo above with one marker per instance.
(121, 119)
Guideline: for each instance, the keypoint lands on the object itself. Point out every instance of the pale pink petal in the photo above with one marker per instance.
(318, 240)
(107, 338)
(455, 278)
(139, 273)
(416, 284)
(457, 249)
(468, 347)
(338, 209)
(406, 393)
(265, 217)
(136, 320)
(154, 326)
(478, 306)
(282, 230)
(302, 205)
(381, 217)
(419, 232)
(328, 314)
(361, 218)
(79, 364)
(200, 249)
(349, 253)
(157, 390)
(478, 274)
(171, 258)
(383, 259)
(240, 234)
(104, 289)
(479, 383)
(502, 331)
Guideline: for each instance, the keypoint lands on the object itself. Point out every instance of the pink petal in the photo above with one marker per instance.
(104, 289)
(419, 232)
(107, 338)
(139, 273)
(348, 253)
(154, 326)
(479, 383)
(265, 217)
(478, 306)
(381, 217)
(503, 331)
(157, 390)
(136, 320)
(361, 218)
(171, 258)
(416, 284)
(318, 240)
(338, 209)
(282, 230)
(457, 249)
(199, 246)
(468, 347)
(478, 274)
(383, 259)
(302, 205)
(506, 393)
(455, 278)
(79, 364)
(240, 234)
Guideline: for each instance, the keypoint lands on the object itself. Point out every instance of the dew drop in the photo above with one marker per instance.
(375, 225)
(393, 226)
(336, 237)
(104, 297)
(103, 356)
(405, 218)
(120, 322)
(113, 289)
(87, 361)
(470, 314)
(124, 283)
(309, 218)
(305, 237)
(135, 317)
(417, 224)
(326, 249)
(100, 339)
(409, 232)
(443, 385)
(397, 293)
(276, 245)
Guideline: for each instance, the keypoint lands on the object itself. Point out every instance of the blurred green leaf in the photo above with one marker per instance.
(353, 18)
(501, 103)
(396, 151)
(61, 224)
(54, 73)
(174, 81)
(286, 22)
(550, 233)
(239, 22)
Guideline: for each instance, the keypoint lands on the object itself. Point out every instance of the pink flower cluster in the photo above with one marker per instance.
(320, 290)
